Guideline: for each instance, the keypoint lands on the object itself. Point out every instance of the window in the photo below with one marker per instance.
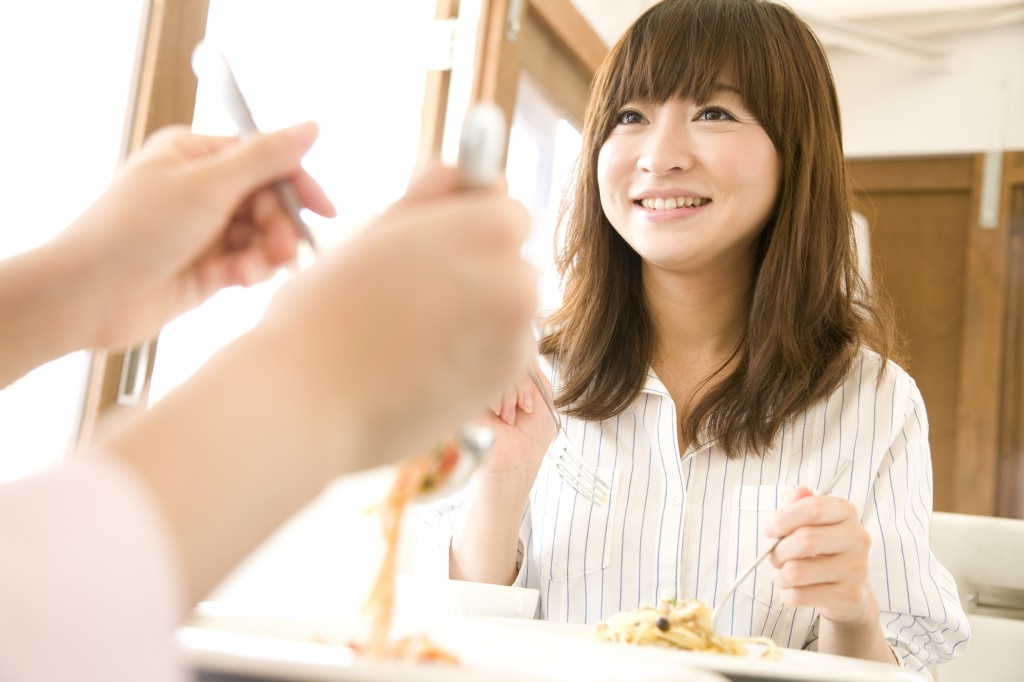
(542, 151)
(65, 83)
(359, 70)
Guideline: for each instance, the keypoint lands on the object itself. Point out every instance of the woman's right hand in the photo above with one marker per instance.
(484, 546)
(523, 429)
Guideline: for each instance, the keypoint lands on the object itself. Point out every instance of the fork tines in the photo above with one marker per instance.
(569, 463)
(580, 476)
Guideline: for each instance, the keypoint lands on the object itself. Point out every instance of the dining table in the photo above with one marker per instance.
(238, 644)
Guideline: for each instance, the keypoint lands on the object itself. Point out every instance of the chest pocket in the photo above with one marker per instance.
(571, 536)
(752, 507)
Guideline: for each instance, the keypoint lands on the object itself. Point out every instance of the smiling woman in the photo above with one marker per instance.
(718, 355)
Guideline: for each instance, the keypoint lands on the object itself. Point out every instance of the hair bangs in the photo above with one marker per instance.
(666, 57)
(684, 49)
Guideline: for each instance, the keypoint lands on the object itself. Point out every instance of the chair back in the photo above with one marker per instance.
(986, 558)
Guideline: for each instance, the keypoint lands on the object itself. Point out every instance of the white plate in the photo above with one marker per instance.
(285, 647)
(498, 650)
(793, 665)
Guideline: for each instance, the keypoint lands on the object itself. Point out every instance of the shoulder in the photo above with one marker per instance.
(886, 383)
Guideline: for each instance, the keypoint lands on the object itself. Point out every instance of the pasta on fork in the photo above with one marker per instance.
(416, 476)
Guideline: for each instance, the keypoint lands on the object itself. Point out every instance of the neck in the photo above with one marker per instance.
(696, 316)
(698, 324)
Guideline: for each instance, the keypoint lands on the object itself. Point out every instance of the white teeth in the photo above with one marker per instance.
(660, 204)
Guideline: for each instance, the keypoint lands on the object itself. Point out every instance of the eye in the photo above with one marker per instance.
(629, 117)
(714, 114)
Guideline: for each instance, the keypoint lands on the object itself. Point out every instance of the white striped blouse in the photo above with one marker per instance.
(686, 525)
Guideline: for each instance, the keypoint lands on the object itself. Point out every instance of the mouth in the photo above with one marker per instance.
(671, 203)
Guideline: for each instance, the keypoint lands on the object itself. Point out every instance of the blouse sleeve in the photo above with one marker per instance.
(89, 583)
(921, 613)
(435, 526)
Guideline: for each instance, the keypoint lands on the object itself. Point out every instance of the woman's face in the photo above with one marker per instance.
(689, 186)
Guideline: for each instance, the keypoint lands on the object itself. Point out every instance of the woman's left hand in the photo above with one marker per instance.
(822, 560)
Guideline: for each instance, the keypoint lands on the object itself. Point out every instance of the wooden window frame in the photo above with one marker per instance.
(163, 93)
(548, 38)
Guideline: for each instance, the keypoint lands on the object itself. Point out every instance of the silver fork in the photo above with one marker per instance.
(574, 471)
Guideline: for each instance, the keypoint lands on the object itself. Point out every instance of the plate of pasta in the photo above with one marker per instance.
(384, 642)
(670, 643)
(684, 631)
(311, 648)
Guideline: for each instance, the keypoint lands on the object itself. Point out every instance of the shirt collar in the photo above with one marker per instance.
(652, 384)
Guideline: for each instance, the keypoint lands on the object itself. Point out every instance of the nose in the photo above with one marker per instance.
(667, 147)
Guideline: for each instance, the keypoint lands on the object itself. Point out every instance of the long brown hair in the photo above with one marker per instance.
(809, 309)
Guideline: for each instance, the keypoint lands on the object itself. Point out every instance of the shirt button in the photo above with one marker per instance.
(676, 500)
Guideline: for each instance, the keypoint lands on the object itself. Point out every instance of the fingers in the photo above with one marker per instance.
(816, 541)
(525, 389)
(835, 585)
(822, 570)
(502, 223)
(518, 395)
(313, 196)
(807, 509)
(816, 525)
(822, 558)
(509, 400)
(844, 593)
(275, 235)
(495, 404)
(434, 179)
(238, 169)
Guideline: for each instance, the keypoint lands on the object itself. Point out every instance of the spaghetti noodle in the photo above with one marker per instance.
(417, 475)
(678, 625)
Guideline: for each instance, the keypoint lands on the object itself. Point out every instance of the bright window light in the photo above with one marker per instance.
(65, 83)
(543, 148)
(358, 70)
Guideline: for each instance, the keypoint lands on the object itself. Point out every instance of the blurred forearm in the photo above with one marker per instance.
(45, 309)
(232, 454)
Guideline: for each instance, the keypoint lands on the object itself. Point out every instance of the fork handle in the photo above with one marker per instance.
(743, 576)
(535, 378)
(843, 466)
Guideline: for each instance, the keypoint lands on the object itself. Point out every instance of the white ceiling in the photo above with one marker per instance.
(898, 30)
(903, 18)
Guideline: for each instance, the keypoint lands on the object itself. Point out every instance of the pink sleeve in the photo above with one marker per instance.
(89, 585)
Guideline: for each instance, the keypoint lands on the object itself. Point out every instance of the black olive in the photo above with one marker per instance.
(663, 624)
